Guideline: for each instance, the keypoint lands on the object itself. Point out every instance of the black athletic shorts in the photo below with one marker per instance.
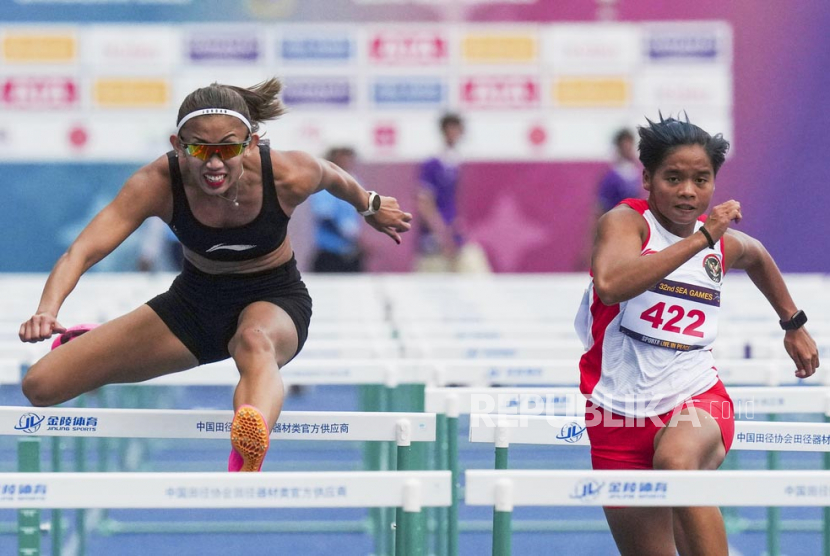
(202, 310)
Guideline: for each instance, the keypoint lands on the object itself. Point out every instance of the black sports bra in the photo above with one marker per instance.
(259, 237)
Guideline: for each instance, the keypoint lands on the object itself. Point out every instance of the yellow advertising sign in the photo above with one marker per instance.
(27, 48)
(500, 48)
(592, 92)
(132, 93)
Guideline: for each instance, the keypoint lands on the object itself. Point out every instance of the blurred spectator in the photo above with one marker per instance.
(160, 249)
(337, 224)
(623, 180)
(442, 246)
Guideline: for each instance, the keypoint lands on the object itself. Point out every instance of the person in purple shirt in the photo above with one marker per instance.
(442, 246)
(623, 179)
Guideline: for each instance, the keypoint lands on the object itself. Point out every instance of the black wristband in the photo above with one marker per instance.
(708, 237)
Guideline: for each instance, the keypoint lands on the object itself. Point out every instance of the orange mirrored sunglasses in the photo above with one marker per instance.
(205, 151)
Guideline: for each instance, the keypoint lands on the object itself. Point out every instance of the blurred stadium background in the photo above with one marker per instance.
(89, 91)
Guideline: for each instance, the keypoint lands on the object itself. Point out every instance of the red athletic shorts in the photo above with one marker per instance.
(632, 447)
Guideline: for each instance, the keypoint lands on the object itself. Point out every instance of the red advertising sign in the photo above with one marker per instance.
(408, 48)
(40, 93)
(492, 91)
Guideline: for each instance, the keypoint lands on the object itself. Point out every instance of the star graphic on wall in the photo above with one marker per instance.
(507, 234)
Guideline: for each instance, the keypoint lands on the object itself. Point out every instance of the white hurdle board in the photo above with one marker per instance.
(365, 489)
(747, 400)
(503, 430)
(151, 423)
(509, 488)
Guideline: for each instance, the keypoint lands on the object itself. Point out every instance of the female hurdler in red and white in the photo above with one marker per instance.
(648, 322)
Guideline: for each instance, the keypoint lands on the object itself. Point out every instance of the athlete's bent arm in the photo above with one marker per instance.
(136, 201)
(620, 272)
(310, 175)
(746, 253)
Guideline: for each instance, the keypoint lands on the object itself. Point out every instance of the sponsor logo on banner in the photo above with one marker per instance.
(385, 136)
(131, 93)
(595, 92)
(537, 136)
(571, 433)
(335, 91)
(317, 48)
(413, 90)
(22, 492)
(41, 93)
(147, 46)
(700, 45)
(490, 91)
(219, 48)
(51, 49)
(30, 423)
(518, 48)
(408, 48)
(586, 490)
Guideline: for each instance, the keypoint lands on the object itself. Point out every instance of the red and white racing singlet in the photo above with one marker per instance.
(647, 355)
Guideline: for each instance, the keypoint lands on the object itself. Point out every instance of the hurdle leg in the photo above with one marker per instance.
(403, 524)
(370, 401)
(413, 537)
(826, 510)
(455, 472)
(502, 517)
(28, 521)
(57, 516)
(773, 513)
(502, 537)
(441, 463)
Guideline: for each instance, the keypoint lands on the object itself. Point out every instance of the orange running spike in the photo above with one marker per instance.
(249, 437)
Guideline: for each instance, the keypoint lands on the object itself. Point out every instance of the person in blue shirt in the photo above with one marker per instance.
(337, 224)
(442, 245)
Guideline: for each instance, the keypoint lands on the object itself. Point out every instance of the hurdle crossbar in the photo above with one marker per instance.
(747, 400)
(150, 423)
(504, 430)
(366, 489)
(507, 489)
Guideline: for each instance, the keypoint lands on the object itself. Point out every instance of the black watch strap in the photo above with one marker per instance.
(798, 320)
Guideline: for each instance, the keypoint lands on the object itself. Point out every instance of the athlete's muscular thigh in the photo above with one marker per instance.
(135, 347)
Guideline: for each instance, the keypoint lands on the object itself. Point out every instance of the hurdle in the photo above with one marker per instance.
(449, 403)
(408, 491)
(771, 436)
(504, 490)
(402, 428)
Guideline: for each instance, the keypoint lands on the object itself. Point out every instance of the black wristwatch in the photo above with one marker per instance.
(374, 204)
(798, 320)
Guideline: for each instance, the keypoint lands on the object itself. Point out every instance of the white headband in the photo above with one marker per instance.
(211, 112)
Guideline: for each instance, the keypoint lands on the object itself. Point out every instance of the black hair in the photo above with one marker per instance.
(622, 135)
(659, 139)
(335, 152)
(258, 103)
(450, 119)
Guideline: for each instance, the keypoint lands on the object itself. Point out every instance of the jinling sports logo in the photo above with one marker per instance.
(571, 432)
(587, 490)
(29, 423)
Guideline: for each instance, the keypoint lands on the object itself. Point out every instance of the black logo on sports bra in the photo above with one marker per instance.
(711, 263)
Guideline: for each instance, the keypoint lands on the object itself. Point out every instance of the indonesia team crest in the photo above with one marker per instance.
(711, 263)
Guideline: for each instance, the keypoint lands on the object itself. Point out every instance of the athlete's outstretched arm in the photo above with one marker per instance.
(747, 253)
(137, 200)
